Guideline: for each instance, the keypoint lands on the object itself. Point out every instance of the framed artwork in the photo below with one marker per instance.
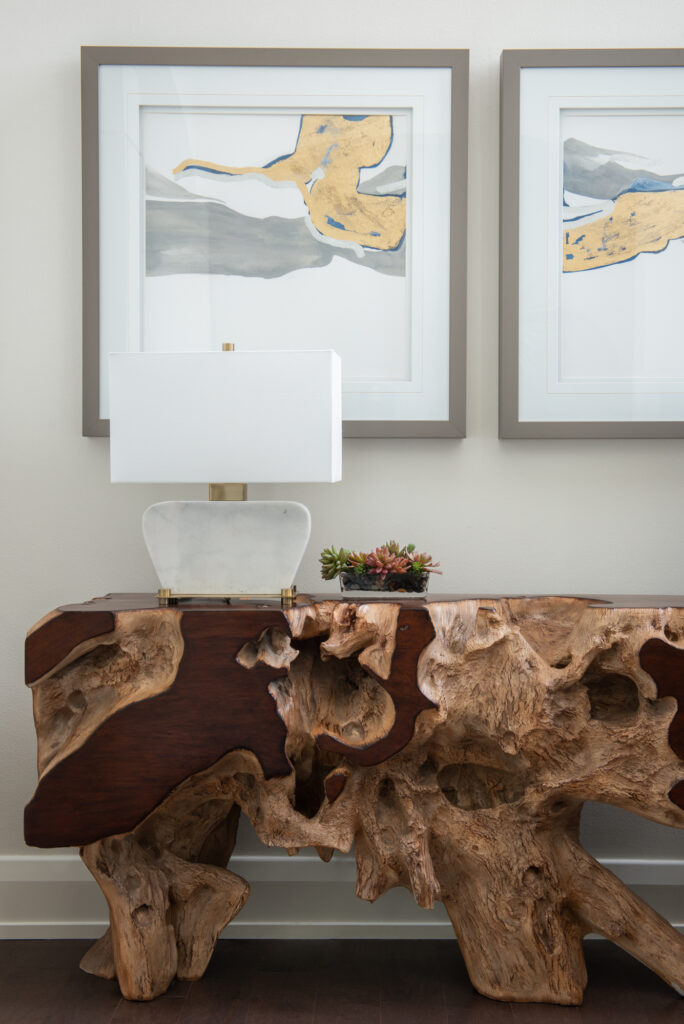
(592, 244)
(282, 199)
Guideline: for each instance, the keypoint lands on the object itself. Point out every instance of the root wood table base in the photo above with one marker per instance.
(450, 742)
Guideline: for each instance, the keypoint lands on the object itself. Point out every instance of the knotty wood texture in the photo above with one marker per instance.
(666, 666)
(414, 631)
(451, 743)
(138, 755)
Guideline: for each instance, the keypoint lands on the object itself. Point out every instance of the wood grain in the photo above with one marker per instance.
(414, 632)
(49, 644)
(452, 744)
(139, 754)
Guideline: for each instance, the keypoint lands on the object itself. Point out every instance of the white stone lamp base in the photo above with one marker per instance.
(225, 548)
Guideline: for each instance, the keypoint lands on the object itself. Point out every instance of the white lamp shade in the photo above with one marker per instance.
(252, 417)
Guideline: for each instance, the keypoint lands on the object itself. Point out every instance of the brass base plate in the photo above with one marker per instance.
(287, 596)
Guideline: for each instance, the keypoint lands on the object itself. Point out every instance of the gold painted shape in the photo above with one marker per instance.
(640, 222)
(325, 165)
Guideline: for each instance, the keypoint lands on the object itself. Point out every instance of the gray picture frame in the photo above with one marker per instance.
(512, 63)
(93, 57)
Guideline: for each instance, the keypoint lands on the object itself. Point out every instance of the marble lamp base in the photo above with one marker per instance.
(222, 548)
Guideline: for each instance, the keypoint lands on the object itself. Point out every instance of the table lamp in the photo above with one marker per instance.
(252, 417)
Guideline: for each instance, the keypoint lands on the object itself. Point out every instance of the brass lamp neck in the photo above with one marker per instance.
(227, 492)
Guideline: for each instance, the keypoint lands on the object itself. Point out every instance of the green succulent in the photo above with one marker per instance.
(333, 562)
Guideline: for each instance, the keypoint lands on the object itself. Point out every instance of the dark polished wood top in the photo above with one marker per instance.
(137, 602)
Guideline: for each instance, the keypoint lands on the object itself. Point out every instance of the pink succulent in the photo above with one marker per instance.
(424, 563)
(382, 561)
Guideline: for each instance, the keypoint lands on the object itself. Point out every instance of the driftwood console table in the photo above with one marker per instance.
(451, 742)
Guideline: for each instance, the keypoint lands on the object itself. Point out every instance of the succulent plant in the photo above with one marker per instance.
(398, 549)
(358, 562)
(391, 557)
(333, 562)
(424, 563)
(383, 561)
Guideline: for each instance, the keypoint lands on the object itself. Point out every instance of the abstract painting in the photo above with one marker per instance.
(346, 173)
(282, 200)
(619, 204)
(621, 251)
(300, 214)
(592, 244)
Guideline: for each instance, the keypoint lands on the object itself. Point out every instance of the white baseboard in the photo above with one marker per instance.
(49, 896)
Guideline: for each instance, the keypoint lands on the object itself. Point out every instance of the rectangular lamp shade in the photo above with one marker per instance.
(249, 417)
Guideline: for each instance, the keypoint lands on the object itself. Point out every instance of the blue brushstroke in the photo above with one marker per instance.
(207, 170)
(569, 256)
(580, 216)
(375, 234)
(650, 185)
(355, 117)
(279, 159)
(320, 130)
(398, 246)
(335, 223)
(579, 239)
(286, 156)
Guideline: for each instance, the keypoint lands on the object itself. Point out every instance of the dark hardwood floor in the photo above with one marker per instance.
(319, 982)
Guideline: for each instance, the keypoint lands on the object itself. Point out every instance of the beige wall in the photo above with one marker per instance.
(525, 516)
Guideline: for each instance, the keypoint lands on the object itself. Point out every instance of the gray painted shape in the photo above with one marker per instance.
(390, 176)
(161, 187)
(210, 238)
(605, 181)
